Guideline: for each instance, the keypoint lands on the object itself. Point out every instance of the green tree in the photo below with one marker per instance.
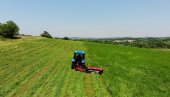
(9, 29)
(0, 29)
(46, 34)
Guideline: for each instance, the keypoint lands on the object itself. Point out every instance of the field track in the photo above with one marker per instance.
(40, 67)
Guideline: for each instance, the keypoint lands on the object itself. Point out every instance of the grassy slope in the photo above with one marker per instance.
(41, 67)
(132, 71)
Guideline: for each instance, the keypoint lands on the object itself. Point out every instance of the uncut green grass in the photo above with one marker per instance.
(132, 72)
(40, 67)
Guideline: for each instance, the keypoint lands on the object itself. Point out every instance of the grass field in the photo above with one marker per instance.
(40, 67)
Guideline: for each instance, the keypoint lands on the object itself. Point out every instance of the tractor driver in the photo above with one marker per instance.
(78, 58)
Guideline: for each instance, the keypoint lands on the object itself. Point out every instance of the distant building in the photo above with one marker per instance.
(131, 41)
(122, 41)
(118, 41)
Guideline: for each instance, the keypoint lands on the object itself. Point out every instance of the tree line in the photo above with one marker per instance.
(10, 29)
(139, 42)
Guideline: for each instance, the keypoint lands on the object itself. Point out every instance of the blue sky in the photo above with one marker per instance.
(89, 18)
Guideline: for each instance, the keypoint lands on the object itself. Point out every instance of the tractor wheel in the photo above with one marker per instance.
(72, 66)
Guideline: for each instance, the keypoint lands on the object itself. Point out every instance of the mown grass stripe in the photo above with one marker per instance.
(56, 68)
(88, 81)
(32, 54)
(50, 79)
(45, 57)
(20, 55)
(45, 80)
(24, 63)
(28, 84)
(49, 61)
(53, 80)
(20, 48)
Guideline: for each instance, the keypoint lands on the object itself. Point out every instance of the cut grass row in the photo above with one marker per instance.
(23, 64)
(32, 70)
(22, 50)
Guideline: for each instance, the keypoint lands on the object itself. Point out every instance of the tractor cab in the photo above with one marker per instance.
(79, 55)
(78, 59)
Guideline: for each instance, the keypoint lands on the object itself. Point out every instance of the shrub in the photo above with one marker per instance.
(66, 38)
(46, 34)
